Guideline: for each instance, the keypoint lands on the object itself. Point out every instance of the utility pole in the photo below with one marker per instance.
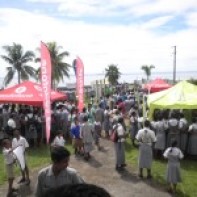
(174, 65)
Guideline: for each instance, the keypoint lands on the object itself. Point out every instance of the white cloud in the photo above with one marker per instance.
(164, 7)
(100, 45)
(131, 7)
(156, 22)
(192, 19)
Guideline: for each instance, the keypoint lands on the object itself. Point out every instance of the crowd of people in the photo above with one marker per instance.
(169, 134)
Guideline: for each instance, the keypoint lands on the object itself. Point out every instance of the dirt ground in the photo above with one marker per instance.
(100, 170)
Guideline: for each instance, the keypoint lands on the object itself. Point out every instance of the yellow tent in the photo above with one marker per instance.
(181, 96)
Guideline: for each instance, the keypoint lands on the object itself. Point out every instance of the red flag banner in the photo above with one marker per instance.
(80, 83)
(46, 86)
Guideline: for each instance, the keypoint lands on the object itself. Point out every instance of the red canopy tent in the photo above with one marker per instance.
(157, 85)
(27, 93)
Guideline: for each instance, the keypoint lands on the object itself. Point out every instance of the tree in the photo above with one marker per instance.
(193, 81)
(60, 69)
(113, 74)
(18, 60)
(147, 70)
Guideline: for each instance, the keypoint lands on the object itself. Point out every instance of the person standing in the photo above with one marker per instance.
(64, 121)
(97, 134)
(18, 140)
(119, 145)
(173, 175)
(192, 146)
(87, 131)
(134, 127)
(107, 121)
(146, 138)
(99, 114)
(57, 174)
(160, 136)
(6, 115)
(11, 125)
(76, 138)
(183, 127)
(9, 162)
(174, 132)
(59, 140)
(82, 115)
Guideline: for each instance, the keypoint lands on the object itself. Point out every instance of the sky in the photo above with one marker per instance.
(128, 33)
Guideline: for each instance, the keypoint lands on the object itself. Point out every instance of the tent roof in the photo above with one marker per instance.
(181, 96)
(157, 85)
(28, 93)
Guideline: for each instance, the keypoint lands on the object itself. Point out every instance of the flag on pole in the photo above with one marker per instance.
(80, 83)
(46, 86)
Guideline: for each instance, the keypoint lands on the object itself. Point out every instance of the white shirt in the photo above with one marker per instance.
(175, 151)
(120, 131)
(182, 123)
(173, 122)
(8, 156)
(146, 137)
(20, 142)
(58, 141)
(193, 127)
(11, 123)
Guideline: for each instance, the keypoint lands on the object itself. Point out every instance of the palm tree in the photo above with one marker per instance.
(18, 60)
(113, 74)
(147, 70)
(59, 68)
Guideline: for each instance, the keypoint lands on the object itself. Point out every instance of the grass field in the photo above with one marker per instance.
(188, 188)
(39, 157)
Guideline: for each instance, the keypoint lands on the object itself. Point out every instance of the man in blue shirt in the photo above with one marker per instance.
(76, 138)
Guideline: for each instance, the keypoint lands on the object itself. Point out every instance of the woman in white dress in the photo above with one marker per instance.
(87, 131)
(146, 138)
(174, 132)
(160, 136)
(183, 127)
(173, 175)
(192, 149)
(107, 121)
(119, 145)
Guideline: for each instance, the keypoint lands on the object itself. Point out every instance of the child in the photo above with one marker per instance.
(18, 140)
(9, 161)
(75, 133)
(173, 154)
(59, 140)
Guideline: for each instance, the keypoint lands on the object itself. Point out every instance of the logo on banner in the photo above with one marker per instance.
(20, 90)
(38, 88)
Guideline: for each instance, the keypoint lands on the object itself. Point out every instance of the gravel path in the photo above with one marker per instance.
(100, 171)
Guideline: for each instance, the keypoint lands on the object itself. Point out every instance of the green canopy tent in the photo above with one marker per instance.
(181, 96)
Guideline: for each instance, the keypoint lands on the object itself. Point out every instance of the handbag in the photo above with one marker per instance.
(114, 135)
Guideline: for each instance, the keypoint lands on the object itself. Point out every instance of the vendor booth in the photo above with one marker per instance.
(27, 93)
(181, 96)
(156, 85)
